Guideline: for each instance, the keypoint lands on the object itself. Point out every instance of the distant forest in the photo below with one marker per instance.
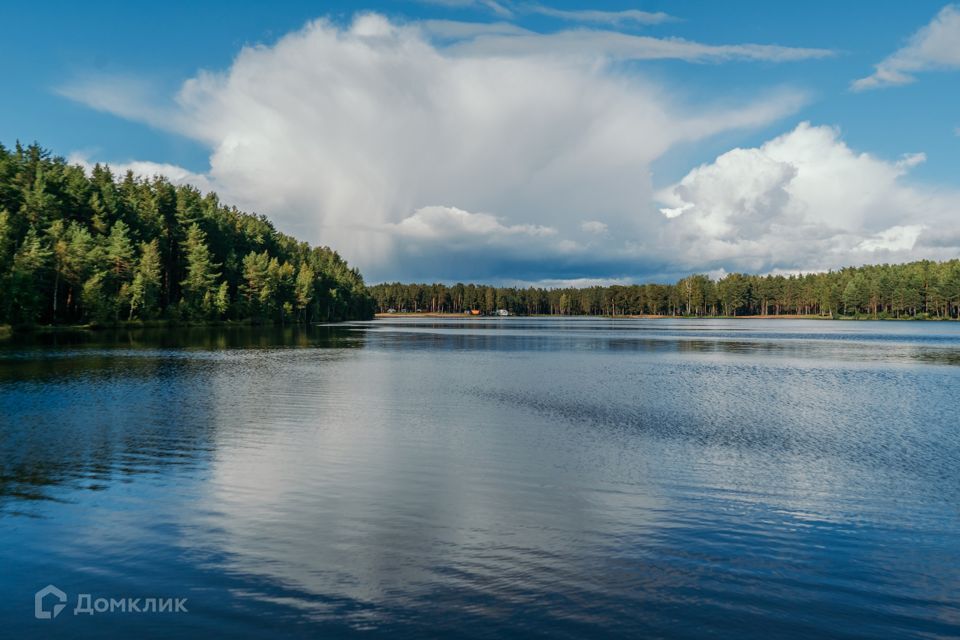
(102, 248)
(915, 290)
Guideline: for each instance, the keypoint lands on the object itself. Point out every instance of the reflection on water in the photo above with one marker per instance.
(576, 477)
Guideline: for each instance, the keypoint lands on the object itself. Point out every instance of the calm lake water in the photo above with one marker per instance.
(515, 477)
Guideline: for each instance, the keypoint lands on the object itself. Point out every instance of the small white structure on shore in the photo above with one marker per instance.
(502, 312)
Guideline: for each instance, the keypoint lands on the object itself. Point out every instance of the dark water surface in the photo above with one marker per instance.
(487, 478)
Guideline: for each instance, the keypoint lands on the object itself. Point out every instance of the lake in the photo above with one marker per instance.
(515, 477)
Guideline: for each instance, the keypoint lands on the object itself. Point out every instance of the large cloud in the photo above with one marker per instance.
(805, 200)
(935, 46)
(407, 154)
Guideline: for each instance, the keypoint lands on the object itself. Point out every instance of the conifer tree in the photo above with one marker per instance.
(199, 286)
(145, 289)
(31, 264)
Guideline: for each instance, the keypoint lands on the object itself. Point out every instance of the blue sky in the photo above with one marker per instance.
(98, 83)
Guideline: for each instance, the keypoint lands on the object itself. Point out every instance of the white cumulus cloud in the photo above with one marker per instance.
(898, 238)
(450, 223)
(806, 200)
(935, 46)
(594, 226)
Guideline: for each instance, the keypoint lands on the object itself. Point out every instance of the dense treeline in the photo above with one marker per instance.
(100, 248)
(916, 290)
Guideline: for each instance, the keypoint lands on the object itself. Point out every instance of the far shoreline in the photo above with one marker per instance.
(468, 316)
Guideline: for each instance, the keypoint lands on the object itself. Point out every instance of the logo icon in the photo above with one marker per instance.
(42, 613)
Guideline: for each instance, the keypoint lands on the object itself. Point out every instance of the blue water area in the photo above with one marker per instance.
(485, 478)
